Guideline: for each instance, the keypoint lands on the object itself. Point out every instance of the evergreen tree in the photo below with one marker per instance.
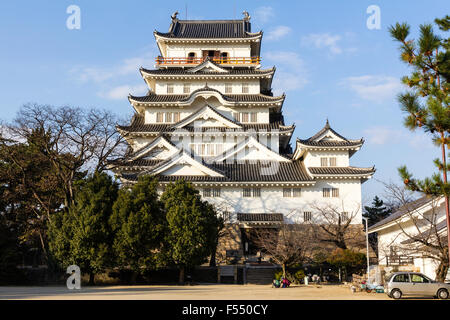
(426, 104)
(82, 235)
(377, 212)
(192, 226)
(139, 225)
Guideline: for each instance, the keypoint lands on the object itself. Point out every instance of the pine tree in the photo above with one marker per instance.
(426, 104)
(139, 224)
(192, 226)
(377, 212)
(82, 235)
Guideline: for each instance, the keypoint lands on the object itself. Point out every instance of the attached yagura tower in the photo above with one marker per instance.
(210, 118)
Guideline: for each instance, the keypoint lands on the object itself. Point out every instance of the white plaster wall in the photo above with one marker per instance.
(312, 158)
(272, 200)
(178, 86)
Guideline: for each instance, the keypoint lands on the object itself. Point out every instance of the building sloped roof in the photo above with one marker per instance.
(405, 209)
(312, 141)
(255, 171)
(152, 97)
(341, 170)
(138, 125)
(192, 29)
(231, 71)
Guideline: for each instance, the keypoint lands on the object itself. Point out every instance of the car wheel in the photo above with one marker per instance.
(396, 294)
(442, 294)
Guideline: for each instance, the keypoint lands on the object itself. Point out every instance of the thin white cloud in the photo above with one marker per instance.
(277, 33)
(323, 40)
(375, 88)
(121, 92)
(381, 135)
(263, 14)
(291, 71)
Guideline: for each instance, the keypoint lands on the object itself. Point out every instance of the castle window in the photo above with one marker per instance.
(326, 192)
(216, 192)
(323, 162)
(244, 117)
(335, 192)
(168, 116)
(191, 57)
(307, 215)
(187, 88)
(159, 116)
(207, 192)
(228, 88)
(245, 88)
(253, 117)
(297, 192)
(287, 192)
(224, 56)
(176, 116)
(247, 192)
(256, 192)
(170, 88)
(333, 162)
(236, 116)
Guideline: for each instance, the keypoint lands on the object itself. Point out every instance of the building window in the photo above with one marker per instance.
(187, 88)
(207, 192)
(335, 192)
(216, 192)
(253, 117)
(236, 116)
(323, 162)
(245, 88)
(168, 116)
(287, 192)
(176, 116)
(191, 57)
(307, 215)
(256, 192)
(170, 88)
(224, 56)
(344, 216)
(159, 116)
(333, 162)
(326, 192)
(244, 117)
(247, 192)
(228, 88)
(297, 192)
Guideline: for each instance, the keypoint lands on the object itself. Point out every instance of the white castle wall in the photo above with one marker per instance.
(182, 51)
(236, 86)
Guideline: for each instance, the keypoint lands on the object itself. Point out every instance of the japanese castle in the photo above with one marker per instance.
(210, 117)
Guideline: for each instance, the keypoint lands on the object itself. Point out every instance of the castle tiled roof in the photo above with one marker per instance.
(257, 171)
(152, 97)
(184, 71)
(341, 170)
(192, 29)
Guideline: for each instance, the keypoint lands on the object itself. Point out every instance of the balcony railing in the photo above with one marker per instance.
(399, 260)
(196, 60)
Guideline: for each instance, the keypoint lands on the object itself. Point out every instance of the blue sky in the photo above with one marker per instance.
(328, 63)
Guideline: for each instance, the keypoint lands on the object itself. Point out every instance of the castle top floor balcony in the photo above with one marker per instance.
(225, 61)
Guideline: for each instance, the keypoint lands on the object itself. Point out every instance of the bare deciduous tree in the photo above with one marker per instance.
(336, 224)
(289, 244)
(422, 231)
(76, 139)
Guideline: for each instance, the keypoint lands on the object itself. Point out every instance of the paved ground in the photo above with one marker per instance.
(196, 292)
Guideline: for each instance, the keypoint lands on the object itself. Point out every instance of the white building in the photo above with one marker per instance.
(210, 118)
(401, 233)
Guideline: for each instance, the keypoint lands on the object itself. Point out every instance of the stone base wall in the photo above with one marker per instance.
(230, 240)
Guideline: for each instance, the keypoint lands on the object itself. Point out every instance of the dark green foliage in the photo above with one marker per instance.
(139, 224)
(377, 212)
(193, 226)
(82, 235)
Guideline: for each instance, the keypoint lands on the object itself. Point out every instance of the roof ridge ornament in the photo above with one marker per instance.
(246, 16)
(174, 16)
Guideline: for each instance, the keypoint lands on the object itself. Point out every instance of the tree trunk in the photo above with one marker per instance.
(133, 277)
(212, 260)
(442, 270)
(181, 276)
(283, 266)
(340, 274)
(91, 278)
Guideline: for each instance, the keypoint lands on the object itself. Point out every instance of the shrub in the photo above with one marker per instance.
(299, 276)
(278, 275)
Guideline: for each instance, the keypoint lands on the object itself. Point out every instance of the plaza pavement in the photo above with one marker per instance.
(194, 292)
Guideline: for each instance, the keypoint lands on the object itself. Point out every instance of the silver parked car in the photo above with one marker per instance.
(415, 284)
